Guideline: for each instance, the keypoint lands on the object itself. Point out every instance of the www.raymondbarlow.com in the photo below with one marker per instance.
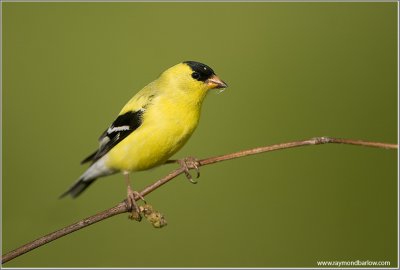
(353, 263)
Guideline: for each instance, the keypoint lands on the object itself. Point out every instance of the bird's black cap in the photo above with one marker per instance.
(201, 72)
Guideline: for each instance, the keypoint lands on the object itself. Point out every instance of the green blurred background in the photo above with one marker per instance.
(295, 71)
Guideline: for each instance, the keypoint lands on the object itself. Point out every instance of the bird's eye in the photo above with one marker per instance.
(195, 75)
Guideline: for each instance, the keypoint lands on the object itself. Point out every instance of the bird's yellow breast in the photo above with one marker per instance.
(166, 126)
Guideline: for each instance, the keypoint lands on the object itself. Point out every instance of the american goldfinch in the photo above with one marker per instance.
(152, 126)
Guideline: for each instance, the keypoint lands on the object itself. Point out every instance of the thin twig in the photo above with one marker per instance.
(123, 206)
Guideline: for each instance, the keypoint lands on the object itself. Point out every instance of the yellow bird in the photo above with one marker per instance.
(152, 126)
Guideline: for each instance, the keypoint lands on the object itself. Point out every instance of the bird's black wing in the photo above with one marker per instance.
(124, 125)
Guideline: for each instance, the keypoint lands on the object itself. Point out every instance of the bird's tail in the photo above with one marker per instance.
(96, 170)
(78, 187)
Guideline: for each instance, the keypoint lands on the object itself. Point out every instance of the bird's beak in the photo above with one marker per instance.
(215, 83)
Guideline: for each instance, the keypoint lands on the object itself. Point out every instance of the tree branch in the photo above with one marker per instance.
(123, 206)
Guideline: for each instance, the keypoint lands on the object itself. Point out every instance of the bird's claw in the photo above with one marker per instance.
(190, 163)
(135, 210)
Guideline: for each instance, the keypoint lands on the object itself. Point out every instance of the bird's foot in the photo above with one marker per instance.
(135, 210)
(187, 164)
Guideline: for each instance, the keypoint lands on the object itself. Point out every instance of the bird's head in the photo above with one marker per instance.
(193, 76)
